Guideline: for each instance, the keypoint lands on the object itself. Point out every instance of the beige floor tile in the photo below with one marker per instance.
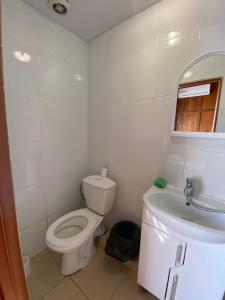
(39, 256)
(132, 265)
(65, 290)
(57, 256)
(130, 290)
(100, 279)
(45, 275)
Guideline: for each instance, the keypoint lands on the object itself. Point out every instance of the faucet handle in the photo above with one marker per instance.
(189, 181)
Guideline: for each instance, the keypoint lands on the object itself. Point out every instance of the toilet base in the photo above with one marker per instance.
(79, 258)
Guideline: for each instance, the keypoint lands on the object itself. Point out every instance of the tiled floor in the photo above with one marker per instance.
(104, 278)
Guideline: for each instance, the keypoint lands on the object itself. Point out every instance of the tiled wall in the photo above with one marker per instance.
(46, 110)
(133, 73)
(134, 69)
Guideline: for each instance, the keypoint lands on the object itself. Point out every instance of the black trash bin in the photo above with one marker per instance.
(123, 242)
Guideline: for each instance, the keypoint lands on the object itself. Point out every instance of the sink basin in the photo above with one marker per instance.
(168, 208)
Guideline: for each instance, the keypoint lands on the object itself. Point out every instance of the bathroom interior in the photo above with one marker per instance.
(116, 113)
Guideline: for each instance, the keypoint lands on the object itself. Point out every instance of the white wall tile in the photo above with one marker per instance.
(97, 122)
(211, 12)
(115, 124)
(182, 16)
(210, 38)
(63, 158)
(20, 76)
(128, 203)
(141, 74)
(136, 163)
(214, 177)
(174, 172)
(62, 121)
(27, 163)
(23, 116)
(128, 135)
(138, 122)
(142, 31)
(176, 149)
(195, 167)
(98, 154)
(116, 43)
(97, 53)
(62, 194)
(216, 145)
(116, 160)
(19, 20)
(54, 77)
(139, 60)
(57, 215)
(77, 52)
(116, 81)
(155, 166)
(30, 205)
(161, 120)
(51, 37)
(173, 59)
(47, 118)
(33, 239)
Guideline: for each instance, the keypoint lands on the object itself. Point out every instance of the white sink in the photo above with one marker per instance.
(168, 206)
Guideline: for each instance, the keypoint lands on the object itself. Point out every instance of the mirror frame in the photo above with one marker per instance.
(201, 135)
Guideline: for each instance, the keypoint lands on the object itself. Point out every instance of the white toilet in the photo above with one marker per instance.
(73, 234)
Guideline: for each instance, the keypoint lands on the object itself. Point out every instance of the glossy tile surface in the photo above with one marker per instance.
(104, 278)
(65, 290)
(32, 238)
(45, 83)
(44, 276)
(30, 199)
(133, 74)
(101, 277)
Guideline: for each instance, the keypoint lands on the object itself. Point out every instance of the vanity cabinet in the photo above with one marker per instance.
(173, 268)
(182, 252)
(159, 253)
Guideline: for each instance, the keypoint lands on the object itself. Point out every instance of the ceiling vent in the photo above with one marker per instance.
(60, 7)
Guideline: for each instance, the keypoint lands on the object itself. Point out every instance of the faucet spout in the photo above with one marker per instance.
(189, 191)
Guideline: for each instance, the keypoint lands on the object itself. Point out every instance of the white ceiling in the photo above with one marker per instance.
(90, 18)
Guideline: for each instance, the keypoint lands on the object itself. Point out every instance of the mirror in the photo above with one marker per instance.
(200, 101)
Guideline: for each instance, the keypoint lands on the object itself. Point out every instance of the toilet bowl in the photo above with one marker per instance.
(72, 235)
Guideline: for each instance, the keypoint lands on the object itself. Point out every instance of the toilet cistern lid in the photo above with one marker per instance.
(99, 181)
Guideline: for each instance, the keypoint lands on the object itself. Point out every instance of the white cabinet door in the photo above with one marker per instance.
(174, 278)
(202, 277)
(158, 253)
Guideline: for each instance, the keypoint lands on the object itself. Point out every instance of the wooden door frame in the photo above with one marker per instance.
(12, 279)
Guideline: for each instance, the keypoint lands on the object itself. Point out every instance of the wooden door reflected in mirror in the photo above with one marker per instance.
(200, 103)
(197, 108)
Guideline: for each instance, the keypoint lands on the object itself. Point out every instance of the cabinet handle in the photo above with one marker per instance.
(179, 255)
(174, 287)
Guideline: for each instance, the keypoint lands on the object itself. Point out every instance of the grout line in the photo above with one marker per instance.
(33, 224)
(52, 256)
(120, 284)
(77, 286)
(55, 286)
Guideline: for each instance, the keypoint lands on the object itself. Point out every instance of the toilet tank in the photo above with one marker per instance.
(99, 193)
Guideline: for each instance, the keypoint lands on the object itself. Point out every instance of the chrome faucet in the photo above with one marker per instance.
(189, 191)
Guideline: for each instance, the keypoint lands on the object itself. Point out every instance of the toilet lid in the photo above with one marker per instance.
(99, 181)
(84, 222)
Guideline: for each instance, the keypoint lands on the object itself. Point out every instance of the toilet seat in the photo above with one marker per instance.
(84, 222)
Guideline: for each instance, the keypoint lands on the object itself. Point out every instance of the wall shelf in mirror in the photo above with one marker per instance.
(199, 106)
